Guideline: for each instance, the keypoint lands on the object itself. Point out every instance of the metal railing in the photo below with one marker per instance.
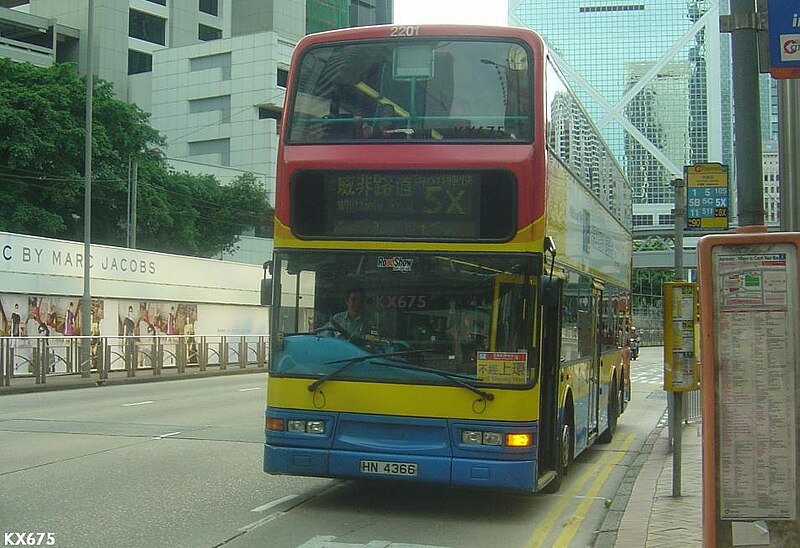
(692, 407)
(42, 357)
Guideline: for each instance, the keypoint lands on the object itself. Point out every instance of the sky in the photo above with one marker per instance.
(480, 12)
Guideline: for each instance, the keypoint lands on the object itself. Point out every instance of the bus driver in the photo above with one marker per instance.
(354, 320)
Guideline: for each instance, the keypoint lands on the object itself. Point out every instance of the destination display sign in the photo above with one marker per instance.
(403, 204)
(707, 199)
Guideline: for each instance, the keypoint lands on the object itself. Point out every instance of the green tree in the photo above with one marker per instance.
(42, 112)
(202, 215)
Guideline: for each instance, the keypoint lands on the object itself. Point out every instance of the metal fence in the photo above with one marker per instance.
(40, 357)
(692, 410)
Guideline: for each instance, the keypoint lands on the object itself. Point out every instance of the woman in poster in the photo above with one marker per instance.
(69, 321)
(52, 318)
(171, 321)
(16, 319)
(191, 345)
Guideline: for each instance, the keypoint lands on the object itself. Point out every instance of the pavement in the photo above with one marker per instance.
(651, 517)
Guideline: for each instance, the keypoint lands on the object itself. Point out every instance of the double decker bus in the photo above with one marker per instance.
(447, 179)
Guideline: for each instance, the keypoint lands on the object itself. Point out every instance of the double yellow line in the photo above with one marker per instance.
(600, 472)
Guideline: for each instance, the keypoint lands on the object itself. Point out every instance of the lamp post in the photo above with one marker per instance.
(86, 301)
(676, 413)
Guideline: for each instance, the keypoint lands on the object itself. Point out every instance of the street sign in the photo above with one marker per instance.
(681, 337)
(707, 199)
(784, 38)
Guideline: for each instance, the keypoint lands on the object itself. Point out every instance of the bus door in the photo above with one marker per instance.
(594, 377)
(550, 369)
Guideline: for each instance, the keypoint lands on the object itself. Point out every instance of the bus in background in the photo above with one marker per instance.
(452, 263)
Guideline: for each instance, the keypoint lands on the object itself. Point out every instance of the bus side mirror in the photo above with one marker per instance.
(549, 291)
(266, 285)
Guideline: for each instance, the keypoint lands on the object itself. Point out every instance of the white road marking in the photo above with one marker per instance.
(166, 435)
(329, 541)
(269, 505)
(248, 389)
(578, 496)
(137, 403)
(260, 522)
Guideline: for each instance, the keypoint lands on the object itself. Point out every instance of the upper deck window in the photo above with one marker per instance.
(445, 90)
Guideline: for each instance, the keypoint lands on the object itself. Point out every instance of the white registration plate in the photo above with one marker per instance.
(388, 468)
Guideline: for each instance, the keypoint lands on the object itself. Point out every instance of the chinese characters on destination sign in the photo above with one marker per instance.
(503, 367)
(415, 205)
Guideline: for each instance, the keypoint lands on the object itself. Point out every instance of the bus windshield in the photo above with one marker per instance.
(467, 315)
(440, 90)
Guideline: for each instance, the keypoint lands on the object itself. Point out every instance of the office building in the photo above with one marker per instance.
(650, 75)
(772, 191)
(211, 72)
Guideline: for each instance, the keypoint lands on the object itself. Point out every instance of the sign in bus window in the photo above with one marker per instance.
(413, 62)
(503, 367)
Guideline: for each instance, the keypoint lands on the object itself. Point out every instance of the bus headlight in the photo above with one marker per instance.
(479, 437)
(498, 439)
(492, 438)
(472, 437)
(305, 427)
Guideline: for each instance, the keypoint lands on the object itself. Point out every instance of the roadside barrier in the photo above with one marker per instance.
(42, 357)
(692, 411)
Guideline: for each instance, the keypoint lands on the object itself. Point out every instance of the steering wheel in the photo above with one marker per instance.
(336, 327)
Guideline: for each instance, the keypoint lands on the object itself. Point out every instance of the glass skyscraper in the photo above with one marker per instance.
(649, 74)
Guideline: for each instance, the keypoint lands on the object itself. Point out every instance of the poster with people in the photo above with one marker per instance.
(141, 323)
(30, 316)
(149, 318)
(44, 323)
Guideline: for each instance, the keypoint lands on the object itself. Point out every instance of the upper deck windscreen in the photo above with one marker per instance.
(438, 90)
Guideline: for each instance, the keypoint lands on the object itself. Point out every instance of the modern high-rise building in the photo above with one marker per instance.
(650, 75)
(212, 73)
(772, 191)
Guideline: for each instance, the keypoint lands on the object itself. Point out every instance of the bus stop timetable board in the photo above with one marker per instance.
(749, 307)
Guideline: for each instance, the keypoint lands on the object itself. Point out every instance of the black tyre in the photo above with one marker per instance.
(614, 411)
(566, 449)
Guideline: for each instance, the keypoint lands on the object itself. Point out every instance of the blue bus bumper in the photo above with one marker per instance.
(358, 448)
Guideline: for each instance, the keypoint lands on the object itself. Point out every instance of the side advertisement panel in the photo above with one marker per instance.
(43, 266)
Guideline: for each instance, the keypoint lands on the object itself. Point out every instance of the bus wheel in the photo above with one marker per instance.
(614, 411)
(564, 457)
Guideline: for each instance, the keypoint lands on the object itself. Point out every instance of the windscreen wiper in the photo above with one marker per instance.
(358, 359)
(398, 365)
(449, 376)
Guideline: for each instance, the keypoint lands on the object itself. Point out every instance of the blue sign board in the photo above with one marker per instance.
(784, 38)
(706, 196)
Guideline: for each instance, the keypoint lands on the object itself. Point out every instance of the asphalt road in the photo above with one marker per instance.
(179, 464)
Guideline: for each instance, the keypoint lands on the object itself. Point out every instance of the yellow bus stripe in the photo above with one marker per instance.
(577, 518)
(565, 498)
